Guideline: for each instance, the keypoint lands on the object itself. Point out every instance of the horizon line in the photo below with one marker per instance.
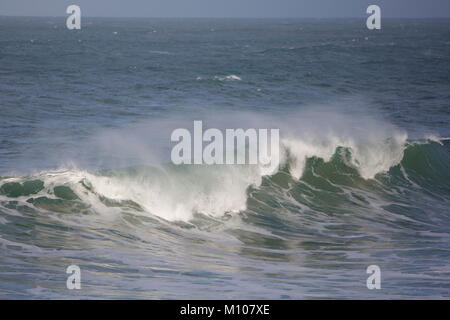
(220, 17)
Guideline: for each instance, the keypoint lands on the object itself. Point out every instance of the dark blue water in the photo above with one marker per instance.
(85, 127)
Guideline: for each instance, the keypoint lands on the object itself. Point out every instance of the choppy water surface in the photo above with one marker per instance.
(85, 127)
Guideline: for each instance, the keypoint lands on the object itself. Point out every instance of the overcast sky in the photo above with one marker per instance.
(228, 8)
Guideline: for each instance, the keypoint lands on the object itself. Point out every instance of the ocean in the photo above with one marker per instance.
(86, 178)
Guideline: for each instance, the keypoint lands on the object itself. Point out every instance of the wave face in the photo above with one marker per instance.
(85, 175)
(177, 193)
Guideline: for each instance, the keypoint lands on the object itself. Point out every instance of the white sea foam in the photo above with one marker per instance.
(231, 77)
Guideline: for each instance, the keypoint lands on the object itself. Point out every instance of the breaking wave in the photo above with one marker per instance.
(177, 193)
